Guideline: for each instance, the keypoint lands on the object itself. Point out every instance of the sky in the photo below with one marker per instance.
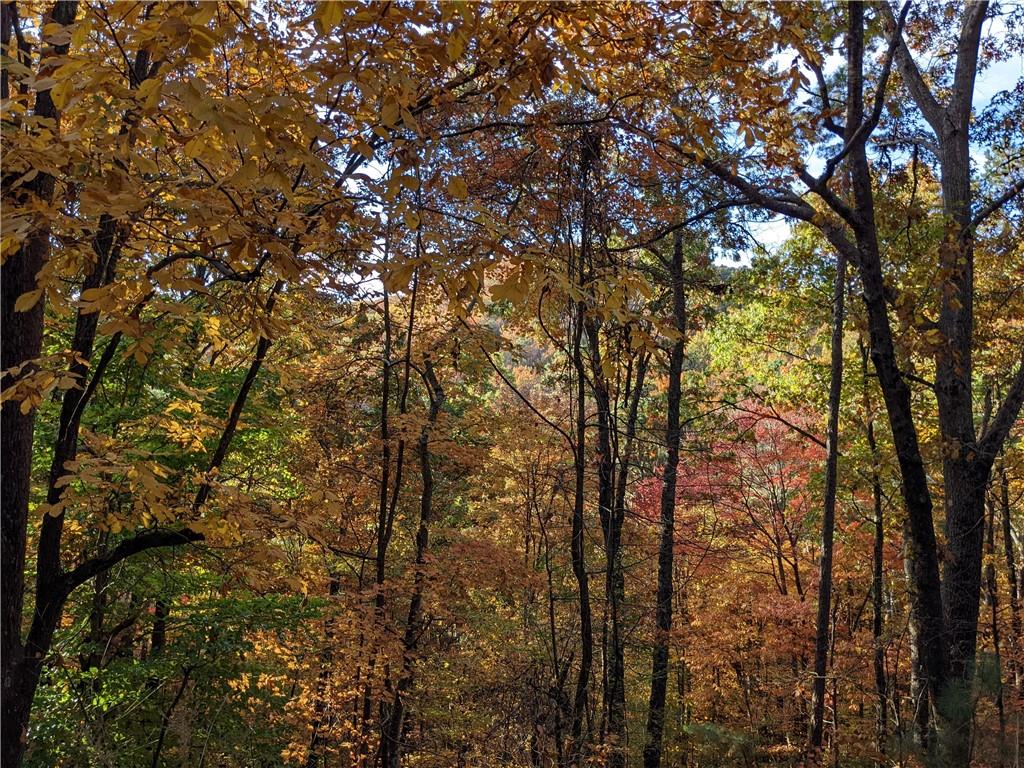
(1000, 76)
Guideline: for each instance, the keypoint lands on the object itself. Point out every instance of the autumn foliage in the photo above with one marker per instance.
(511, 384)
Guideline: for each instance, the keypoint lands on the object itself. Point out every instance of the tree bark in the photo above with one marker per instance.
(1011, 577)
(611, 526)
(992, 598)
(589, 155)
(320, 703)
(20, 345)
(921, 547)
(877, 567)
(391, 745)
(821, 642)
(666, 548)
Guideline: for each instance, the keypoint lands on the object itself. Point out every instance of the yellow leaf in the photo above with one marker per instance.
(328, 15)
(145, 164)
(196, 146)
(456, 45)
(277, 180)
(149, 92)
(246, 174)
(390, 113)
(507, 291)
(61, 93)
(93, 294)
(81, 33)
(28, 300)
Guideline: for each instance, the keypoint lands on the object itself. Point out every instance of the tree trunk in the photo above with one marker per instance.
(920, 691)
(992, 598)
(323, 677)
(589, 154)
(666, 548)
(611, 524)
(20, 345)
(821, 641)
(1011, 577)
(967, 459)
(877, 568)
(391, 745)
(579, 567)
(926, 609)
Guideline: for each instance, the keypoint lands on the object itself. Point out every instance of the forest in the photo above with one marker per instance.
(512, 384)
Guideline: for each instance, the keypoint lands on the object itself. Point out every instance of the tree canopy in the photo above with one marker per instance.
(512, 383)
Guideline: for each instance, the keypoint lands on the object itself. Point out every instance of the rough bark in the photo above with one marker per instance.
(877, 567)
(992, 600)
(921, 547)
(20, 345)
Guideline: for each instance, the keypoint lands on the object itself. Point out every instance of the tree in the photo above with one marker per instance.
(398, 384)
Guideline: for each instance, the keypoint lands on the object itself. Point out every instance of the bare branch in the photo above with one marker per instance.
(996, 203)
(992, 441)
(699, 216)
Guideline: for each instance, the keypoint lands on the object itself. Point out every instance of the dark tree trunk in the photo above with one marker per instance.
(1011, 576)
(320, 692)
(162, 612)
(828, 518)
(992, 598)
(391, 745)
(579, 567)
(611, 525)
(20, 345)
(877, 568)
(921, 548)
(920, 694)
(967, 459)
(165, 720)
(666, 548)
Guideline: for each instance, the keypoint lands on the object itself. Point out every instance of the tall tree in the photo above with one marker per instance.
(828, 517)
(666, 546)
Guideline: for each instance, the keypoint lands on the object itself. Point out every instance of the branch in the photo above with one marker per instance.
(774, 415)
(910, 141)
(865, 129)
(996, 203)
(236, 408)
(138, 543)
(919, 91)
(792, 206)
(520, 395)
(968, 44)
(732, 202)
(826, 102)
(164, 538)
(802, 210)
(992, 441)
(820, 188)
